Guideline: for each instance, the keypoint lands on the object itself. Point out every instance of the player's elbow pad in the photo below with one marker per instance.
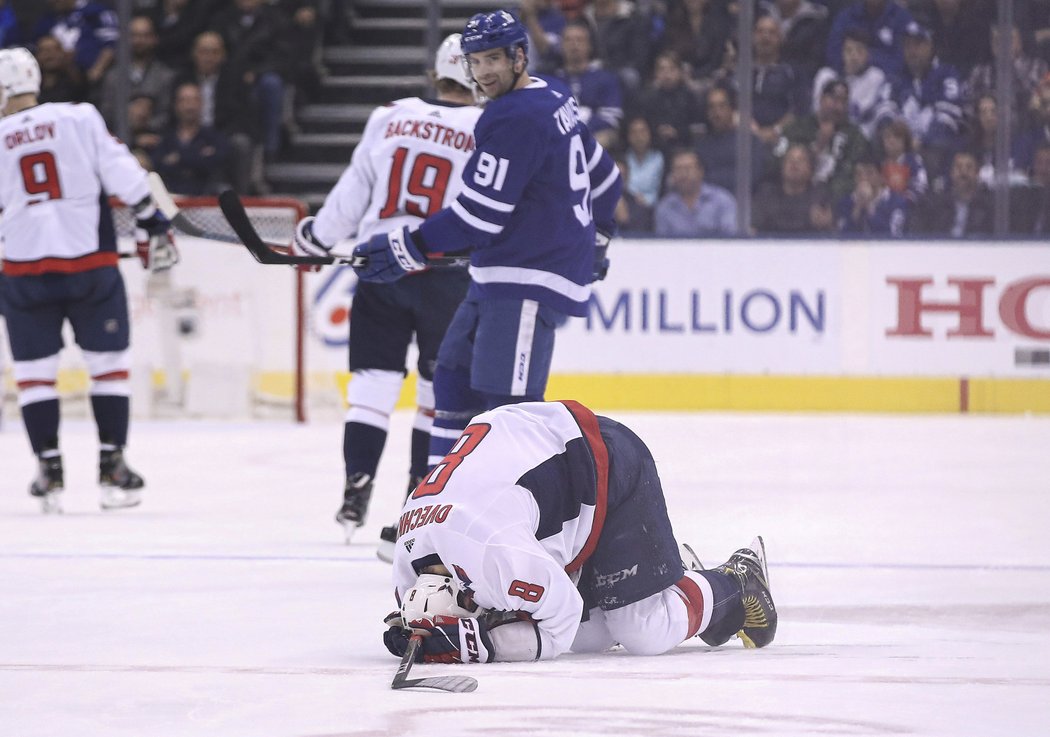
(515, 639)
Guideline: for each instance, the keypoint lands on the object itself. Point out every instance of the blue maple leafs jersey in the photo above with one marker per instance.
(533, 191)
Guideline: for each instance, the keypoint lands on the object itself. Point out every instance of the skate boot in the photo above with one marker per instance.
(356, 496)
(49, 484)
(388, 535)
(748, 566)
(121, 486)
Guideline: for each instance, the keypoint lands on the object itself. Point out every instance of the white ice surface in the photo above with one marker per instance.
(909, 559)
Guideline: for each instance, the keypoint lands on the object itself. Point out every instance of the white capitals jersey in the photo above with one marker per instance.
(56, 160)
(408, 165)
(513, 511)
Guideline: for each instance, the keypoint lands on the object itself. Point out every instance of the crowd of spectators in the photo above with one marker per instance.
(868, 117)
(213, 84)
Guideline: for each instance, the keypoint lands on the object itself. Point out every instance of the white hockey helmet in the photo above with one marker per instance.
(19, 74)
(450, 64)
(435, 595)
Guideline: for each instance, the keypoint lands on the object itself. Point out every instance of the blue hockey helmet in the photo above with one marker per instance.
(496, 30)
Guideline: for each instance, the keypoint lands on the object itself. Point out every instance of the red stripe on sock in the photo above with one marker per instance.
(693, 598)
(112, 376)
(30, 383)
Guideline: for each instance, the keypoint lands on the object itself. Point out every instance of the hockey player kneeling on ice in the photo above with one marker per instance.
(57, 165)
(545, 530)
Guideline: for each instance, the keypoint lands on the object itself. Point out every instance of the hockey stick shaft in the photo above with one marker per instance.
(452, 684)
(406, 661)
(270, 253)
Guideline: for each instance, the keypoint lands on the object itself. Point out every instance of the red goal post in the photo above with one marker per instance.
(219, 319)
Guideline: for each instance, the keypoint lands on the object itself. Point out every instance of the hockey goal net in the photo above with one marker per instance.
(217, 336)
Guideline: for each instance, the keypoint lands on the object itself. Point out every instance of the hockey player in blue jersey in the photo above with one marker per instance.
(538, 193)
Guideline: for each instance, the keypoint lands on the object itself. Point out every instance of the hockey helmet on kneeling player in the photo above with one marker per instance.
(436, 595)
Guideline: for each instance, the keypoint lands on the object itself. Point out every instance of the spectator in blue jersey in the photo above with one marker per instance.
(537, 193)
(804, 33)
(87, 29)
(872, 208)
(597, 90)
(929, 97)
(669, 104)
(884, 21)
(644, 162)
(544, 22)
(191, 157)
(902, 169)
(692, 208)
(868, 87)
(717, 144)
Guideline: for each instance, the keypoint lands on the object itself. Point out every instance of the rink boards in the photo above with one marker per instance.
(774, 325)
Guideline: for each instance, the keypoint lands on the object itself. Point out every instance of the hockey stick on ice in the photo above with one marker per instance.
(269, 253)
(453, 684)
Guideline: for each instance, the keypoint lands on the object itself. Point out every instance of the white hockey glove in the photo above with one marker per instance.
(154, 239)
(305, 243)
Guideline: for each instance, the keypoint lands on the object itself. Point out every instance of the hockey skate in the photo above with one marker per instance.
(388, 535)
(748, 566)
(49, 484)
(121, 486)
(356, 495)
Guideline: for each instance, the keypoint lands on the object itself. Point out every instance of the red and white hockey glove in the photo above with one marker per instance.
(305, 243)
(445, 640)
(154, 240)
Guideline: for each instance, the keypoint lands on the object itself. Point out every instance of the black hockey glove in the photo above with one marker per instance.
(601, 254)
(445, 640)
(386, 257)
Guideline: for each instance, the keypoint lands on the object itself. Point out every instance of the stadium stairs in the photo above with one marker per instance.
(385, 59)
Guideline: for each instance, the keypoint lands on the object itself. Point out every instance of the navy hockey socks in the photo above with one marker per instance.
(41, 421)
(362, 448)
(420, 450)
(455, 404)
(111, 416)
(727, 616)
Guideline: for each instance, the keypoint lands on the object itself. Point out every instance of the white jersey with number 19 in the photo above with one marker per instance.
(57, 160)
(408, 165)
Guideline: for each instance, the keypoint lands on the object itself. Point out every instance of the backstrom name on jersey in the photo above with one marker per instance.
(428, 130)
